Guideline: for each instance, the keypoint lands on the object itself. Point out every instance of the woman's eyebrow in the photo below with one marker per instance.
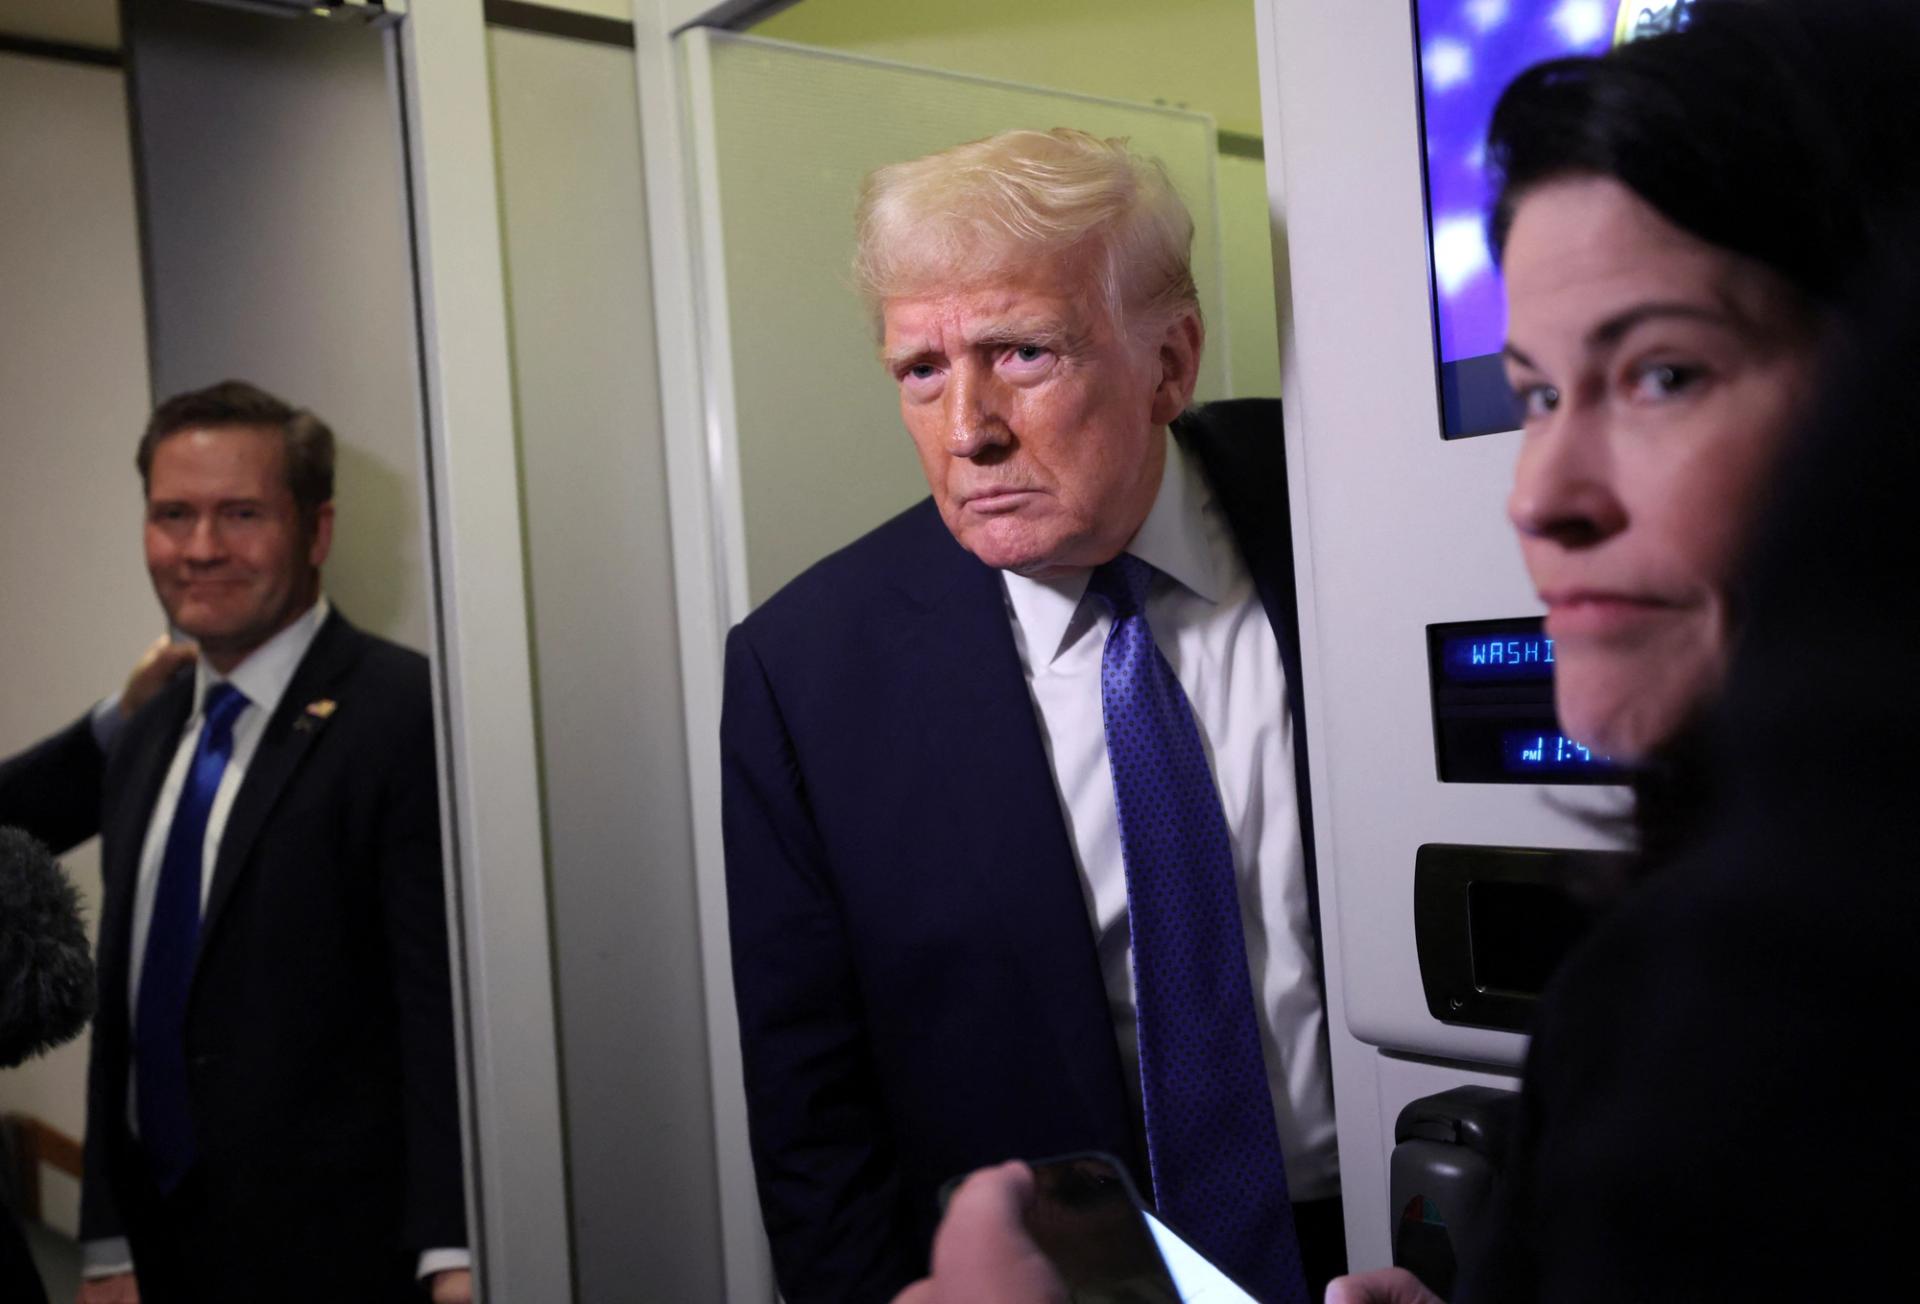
(1615, 328)
(1512, 351)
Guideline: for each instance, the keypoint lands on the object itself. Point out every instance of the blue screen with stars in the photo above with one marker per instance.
(1469, 51)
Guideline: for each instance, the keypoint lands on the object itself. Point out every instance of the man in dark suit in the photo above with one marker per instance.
(272, 1107)
(1014, 786)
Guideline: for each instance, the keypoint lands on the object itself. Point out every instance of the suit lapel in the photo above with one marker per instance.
(289, 736)
(980, 720)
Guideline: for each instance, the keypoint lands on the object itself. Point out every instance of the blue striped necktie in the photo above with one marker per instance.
(173, 935)
(1212, 1144)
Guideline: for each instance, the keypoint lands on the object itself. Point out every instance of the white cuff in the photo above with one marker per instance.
(105, 1258)
(432, 1261)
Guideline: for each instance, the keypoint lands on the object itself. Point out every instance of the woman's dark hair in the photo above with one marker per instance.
(1786, 131)
(1782, 130)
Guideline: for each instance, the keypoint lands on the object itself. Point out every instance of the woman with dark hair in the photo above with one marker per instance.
(1678, 222)
(1711, 1108)
(1686, 225)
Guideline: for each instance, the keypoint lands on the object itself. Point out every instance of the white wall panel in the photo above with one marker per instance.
(73, 388)
(640, 1115)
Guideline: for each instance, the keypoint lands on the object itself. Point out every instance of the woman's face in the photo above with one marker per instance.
(1658, 376)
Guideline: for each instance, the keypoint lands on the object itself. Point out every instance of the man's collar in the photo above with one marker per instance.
(267, 670)
(1173, 540)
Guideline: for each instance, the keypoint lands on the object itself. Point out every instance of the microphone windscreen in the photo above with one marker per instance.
(46, 967)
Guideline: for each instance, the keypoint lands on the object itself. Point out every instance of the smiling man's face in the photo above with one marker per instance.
(231, 559)
(1039, 424)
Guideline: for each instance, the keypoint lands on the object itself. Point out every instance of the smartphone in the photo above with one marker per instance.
(1090, 1222)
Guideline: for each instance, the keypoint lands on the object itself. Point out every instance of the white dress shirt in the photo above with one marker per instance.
(263, 678)
(1208, 622)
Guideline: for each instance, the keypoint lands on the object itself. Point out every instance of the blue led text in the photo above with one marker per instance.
(1511, 652)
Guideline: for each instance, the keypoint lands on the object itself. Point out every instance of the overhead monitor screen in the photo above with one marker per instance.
(1469, 51)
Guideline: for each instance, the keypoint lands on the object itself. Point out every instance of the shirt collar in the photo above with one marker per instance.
(267, 670)
(1173, 540)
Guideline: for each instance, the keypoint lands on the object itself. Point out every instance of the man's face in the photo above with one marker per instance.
(1038, 424)
(230, 559)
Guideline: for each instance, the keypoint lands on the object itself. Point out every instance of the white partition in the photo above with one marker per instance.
(641, 1169)
(1394, 528)
(806, 425)
(73, 386)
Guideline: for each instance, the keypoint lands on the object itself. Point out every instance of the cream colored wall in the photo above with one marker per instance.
(620, 9)
(1196, 55)
(73, 385)
(97, 22)
(615, 782)
(72, 22)
(1246, 252)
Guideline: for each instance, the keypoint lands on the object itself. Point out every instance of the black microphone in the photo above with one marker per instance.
(46, 967)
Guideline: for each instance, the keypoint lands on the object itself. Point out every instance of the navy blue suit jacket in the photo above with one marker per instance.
(914, 966)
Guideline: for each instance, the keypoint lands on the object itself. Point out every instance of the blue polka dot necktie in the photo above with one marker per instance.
(1212, 1144)
(173, 934)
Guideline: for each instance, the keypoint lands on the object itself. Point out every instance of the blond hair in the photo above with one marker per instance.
(979, 211)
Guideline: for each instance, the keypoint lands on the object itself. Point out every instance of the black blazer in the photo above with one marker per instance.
(914, 968)
(320, 1025)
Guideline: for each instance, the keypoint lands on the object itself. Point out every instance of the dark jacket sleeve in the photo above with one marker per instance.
(52, 790)
(99, 1212)
(414, 908)
(829, 1183)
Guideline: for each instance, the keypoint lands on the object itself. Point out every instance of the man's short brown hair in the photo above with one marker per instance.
(305, 437)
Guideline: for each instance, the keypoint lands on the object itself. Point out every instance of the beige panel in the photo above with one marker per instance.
(1246, 242)
(641, 1169)
(275, 225)
(1194, 54)
(74, 22)
(620, 9)
(823, 455)
(73, 385)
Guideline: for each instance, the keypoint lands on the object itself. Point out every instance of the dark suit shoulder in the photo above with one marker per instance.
(52, 790)
(394, 664)
(908, 560)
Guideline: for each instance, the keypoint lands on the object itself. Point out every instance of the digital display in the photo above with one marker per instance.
(1497, 656)
(1493, 711)
(1469, 51)
(1530, 751)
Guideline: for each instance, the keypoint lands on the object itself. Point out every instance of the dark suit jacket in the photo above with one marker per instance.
(319, 1029)
(19, 1277)
(914, 967)
(52, 790)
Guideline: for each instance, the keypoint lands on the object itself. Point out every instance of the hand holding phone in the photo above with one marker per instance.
(983, 1250)
(1084, 1217)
